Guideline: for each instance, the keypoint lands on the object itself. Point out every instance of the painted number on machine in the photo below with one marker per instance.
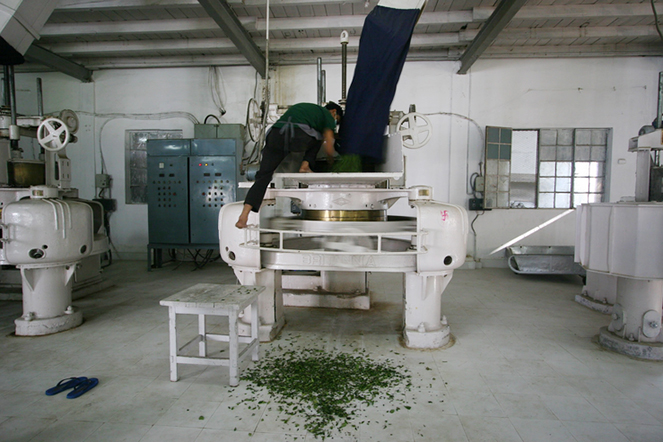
(445, 215)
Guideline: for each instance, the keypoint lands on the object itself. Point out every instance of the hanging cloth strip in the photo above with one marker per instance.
(383, 46)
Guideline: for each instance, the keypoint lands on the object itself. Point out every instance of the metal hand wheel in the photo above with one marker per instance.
(415, 130)
(253, 119)
(53, 134)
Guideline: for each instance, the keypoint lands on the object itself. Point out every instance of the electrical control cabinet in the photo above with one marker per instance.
(189, 180)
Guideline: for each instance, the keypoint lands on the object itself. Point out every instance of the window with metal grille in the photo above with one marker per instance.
(136, 161)
(545, 168)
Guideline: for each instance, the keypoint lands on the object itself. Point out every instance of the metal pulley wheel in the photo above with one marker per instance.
(70, 119)
(254, 119)
(53, 134)
(415, 130)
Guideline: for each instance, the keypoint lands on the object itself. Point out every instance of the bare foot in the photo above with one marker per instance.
(243, 217)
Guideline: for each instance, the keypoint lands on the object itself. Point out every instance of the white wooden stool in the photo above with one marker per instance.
(214, 300)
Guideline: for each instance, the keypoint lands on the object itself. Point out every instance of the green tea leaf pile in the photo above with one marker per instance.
(326, 388)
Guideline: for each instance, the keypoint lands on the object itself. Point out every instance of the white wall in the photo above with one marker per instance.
(618, 93)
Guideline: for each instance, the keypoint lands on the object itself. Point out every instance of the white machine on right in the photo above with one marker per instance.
(625, 240)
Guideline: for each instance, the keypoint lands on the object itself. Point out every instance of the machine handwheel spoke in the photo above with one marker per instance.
(53, 134)
(415, 130)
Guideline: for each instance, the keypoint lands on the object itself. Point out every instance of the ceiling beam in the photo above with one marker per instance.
(450, 39)
(356, 21)
(489, 31)
(36, 54)
(221, 12)
(76, 5)
(135, 27)
(617, 50)
(574, 11)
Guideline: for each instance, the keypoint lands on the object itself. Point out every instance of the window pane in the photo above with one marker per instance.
(564, 169)
(583, 137)
(491, 183)
(595, 169)
(502, 199)
(491, 167)
(546, 184)
(600, 136)
(547, 153)
(563, 185)
(547, 168)
(491, 199)
(504, 168)
(503, 184)
(582, 169)
(546, 200)
(598, 153)
(583, 153)
(564, 153)
(581, 185)
(562, 200)
(596, 185)
(548, 137)
(580, 198)
(565, 137)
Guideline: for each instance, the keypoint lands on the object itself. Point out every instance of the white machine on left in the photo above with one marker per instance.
(50, 235)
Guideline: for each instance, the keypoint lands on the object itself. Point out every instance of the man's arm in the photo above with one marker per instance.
(328, 144)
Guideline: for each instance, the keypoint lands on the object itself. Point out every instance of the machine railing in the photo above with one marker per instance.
(252, 235)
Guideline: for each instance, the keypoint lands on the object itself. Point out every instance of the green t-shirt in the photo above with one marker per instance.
(309, 114)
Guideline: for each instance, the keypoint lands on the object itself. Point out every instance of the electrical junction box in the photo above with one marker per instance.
(476, 204)
(102, 180)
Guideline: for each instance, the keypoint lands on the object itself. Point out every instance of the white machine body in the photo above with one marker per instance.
(427, 247)
(46, 238)
(624, 241)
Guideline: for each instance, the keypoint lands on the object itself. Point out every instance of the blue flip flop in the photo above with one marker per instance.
(83, 388)
(65, 384)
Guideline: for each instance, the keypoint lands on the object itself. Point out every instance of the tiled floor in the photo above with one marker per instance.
(524, 367)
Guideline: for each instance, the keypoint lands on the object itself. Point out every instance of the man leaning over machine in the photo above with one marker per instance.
(300, 129)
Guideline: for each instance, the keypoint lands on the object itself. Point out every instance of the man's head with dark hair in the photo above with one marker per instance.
(339, 110)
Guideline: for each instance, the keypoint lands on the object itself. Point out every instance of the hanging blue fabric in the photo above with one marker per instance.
(383, 46)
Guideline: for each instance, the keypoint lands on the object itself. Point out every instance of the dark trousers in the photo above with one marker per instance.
(277, 146)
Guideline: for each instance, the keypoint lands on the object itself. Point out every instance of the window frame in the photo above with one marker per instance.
(581, 148)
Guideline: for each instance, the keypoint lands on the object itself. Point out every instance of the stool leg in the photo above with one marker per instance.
(232, 361)
(172, 325)
(202, 346)
(254, 330)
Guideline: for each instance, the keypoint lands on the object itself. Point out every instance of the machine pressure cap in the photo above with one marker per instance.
(345, 37)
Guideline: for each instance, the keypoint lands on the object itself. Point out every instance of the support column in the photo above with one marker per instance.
(635, 329)
(270, 303)
(424, 325)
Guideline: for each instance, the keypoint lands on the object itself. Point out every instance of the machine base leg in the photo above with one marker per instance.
(644, 350)
(428, 339)
(595, 305)
(47, 326)
(266, 332)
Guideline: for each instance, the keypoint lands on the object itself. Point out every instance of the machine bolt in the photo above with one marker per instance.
(654, 324)
(421, 328)
(29, 316)
(69, 311)
(444, 320)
